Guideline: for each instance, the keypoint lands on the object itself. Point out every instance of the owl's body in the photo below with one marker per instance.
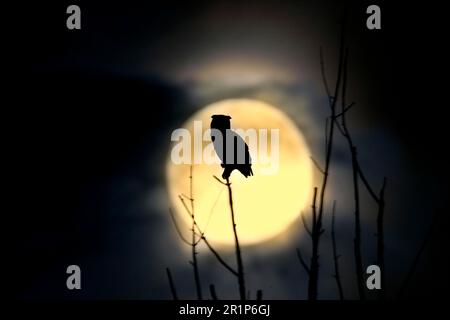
(238, 156)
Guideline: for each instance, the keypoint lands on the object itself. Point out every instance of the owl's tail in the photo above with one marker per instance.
(246, 170)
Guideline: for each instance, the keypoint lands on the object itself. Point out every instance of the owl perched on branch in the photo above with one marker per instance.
(230, 147)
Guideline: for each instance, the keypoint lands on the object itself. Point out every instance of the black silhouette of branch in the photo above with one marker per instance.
(357, 173)
(379, 200)
(324, 78)
(305, 224)
(300, 258)
(194, 240)
(354, 157)
(327, 121)
(259, 295)
(197, 232)
(317, 165)
(217, 255)
(416, 260)
(317, 230)
(336, 256)
(367, 184)
(344, 110)
(201, 235)
(212, 290)
(240, 265)
(308, 231)
(172, 285)
(177, 228)
(380, 241)
(313, 207)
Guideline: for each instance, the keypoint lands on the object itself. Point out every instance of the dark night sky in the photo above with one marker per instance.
(93, 111)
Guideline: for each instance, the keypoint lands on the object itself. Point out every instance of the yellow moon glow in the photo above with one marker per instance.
(264, 204)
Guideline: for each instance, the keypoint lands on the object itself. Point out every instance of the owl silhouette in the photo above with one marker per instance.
(230, 147)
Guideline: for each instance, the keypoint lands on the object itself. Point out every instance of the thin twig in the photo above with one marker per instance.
(259, 295)
(317, 230)
(177, 228)
(380, 241)
(317, 165)
(345, 110)
(194, 241)
(196, 231)
(336, 256)
(367, 184)
(354, 157)
(416, 260)
(220, 181)
(340, 128)
(324, 77)
(212, 209)
(303, 263)
(172, 285)
(185, 206)
(305, 225)
(212, 290)
(314, 210)
(218, 257)
(185, 196)
(240, 265)
(201, 234)
(327, 123)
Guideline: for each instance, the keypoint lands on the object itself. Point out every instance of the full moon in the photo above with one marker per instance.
(265, 204)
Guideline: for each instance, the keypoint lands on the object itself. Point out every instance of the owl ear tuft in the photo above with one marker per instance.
(220, 116)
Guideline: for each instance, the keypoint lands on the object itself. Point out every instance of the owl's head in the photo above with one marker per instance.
(220, 121)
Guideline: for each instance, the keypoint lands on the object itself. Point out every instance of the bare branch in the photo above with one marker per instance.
(211, 248)
(303, 263)
(212, 290)
(317, 230)
(335, 254)
(340, 128)
(305, 225)
(212, 209)
(259, 295)
(317, 165)
(240, 265)
(380, 240)
(327, 120)
(324, 77)
(177, 228)
(416, 260)
(191, 188)
(172, 285)
(194, 240)
(345, 110)
(218, 257)
(185, 206)
(367, 184)
(313, 206)
(220, 181)
(354, 160)
(185, 196)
